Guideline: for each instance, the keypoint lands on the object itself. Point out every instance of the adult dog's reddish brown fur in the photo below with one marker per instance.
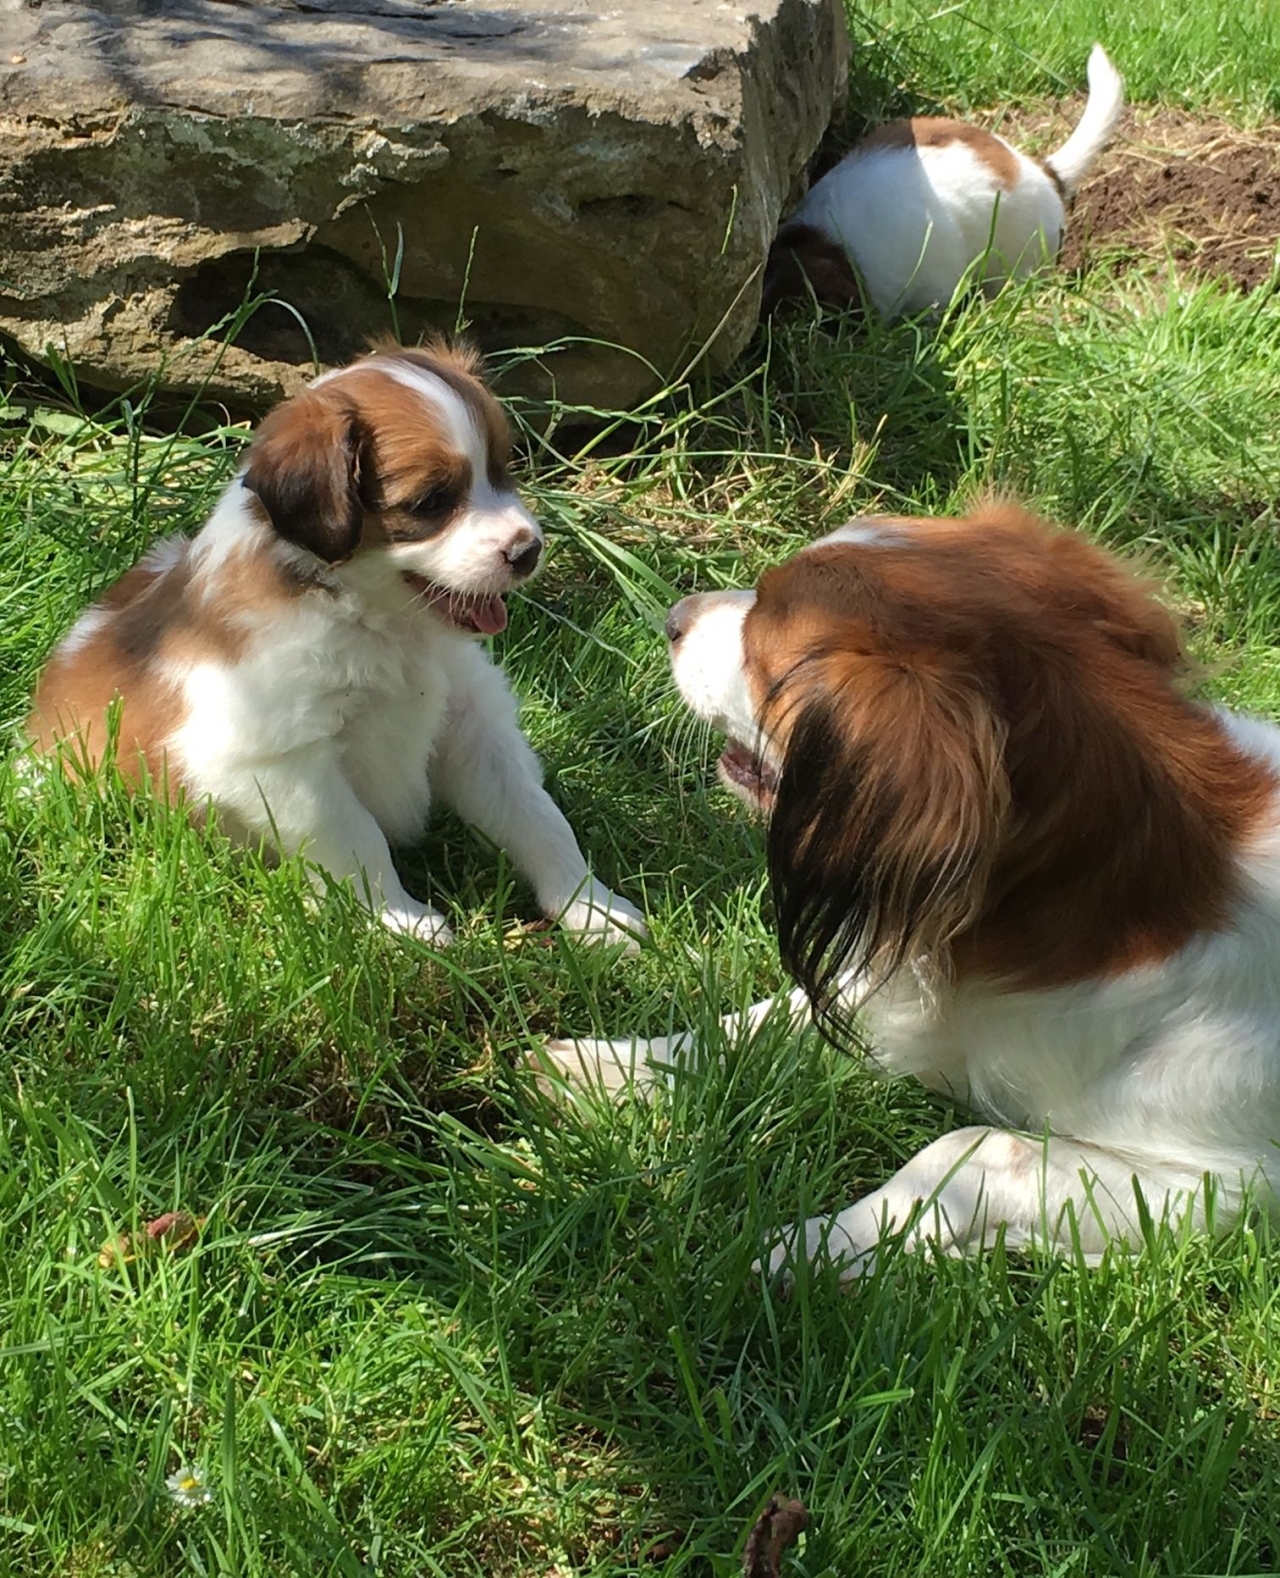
(1003, 704)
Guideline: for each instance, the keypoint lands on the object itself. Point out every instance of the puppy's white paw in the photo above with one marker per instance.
(596, 915)
(411, 919)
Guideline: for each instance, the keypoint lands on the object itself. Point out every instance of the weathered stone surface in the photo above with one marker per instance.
(562, 168)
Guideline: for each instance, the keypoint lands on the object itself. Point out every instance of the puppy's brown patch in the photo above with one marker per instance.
(928, 131)
(407, 455)
(458, 366)
(155, 625)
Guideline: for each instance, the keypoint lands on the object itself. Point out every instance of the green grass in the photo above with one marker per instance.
(436, 1324)
(966, 54)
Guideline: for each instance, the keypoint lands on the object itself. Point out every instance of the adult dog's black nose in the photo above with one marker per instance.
(678, 620)
(523, 554)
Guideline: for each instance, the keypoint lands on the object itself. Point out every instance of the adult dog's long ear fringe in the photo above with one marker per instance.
(890, 812)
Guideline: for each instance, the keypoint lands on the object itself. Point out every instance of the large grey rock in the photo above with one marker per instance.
(562, 168)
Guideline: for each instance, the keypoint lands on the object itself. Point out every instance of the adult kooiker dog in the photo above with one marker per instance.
(309, 661)
(1048, 879)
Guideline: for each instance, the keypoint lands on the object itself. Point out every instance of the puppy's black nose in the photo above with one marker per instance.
(523, 553)
(678, 620)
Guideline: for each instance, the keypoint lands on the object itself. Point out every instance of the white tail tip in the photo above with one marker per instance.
(1103, 109)
(1104, 79)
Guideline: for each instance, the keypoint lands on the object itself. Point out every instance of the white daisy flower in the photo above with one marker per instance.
(186, 1486)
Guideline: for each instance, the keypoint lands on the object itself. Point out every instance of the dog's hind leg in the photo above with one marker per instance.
(959, 1193)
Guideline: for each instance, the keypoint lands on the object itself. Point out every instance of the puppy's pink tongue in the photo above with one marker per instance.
(489, 614)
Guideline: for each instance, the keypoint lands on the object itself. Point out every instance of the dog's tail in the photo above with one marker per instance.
(1075, 158)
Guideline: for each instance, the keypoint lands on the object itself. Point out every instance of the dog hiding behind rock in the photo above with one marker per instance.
(920, 206)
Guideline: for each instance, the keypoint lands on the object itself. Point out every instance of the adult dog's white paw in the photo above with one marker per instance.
(598, 916)
(820, 1240)
(608, 1066)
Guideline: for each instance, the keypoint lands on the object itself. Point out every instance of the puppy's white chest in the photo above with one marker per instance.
(320, 679)
(394, 667)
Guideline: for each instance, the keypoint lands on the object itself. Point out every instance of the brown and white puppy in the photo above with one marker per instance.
(309, 661)
(919, 205)
(1048, 880)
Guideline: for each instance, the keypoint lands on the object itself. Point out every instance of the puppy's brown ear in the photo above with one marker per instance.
(802, 262)
(890, 813)
(305, 466)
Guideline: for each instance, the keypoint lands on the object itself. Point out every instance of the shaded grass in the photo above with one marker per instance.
(437, 1324)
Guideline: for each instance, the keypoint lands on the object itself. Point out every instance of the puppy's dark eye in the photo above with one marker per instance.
(437, 501)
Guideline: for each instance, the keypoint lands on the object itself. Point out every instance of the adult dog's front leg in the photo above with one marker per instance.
(643, 1062)
(959, 1192)
(487, 771)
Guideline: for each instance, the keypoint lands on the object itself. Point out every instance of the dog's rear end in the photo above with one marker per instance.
(920, 206)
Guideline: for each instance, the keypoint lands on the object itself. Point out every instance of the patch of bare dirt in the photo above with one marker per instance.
(1172, 185)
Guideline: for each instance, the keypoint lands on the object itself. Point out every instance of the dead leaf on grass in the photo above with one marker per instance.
(173, 1232)
(781, 1523)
